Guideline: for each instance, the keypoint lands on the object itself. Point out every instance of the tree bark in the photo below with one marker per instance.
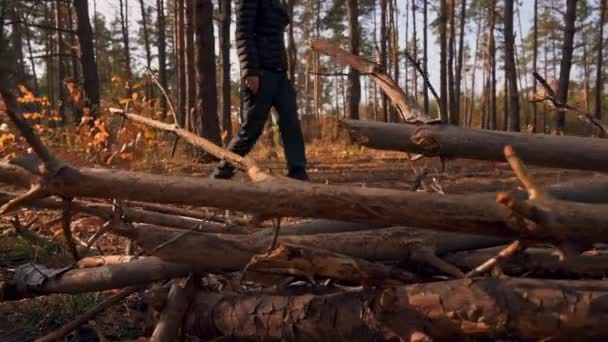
(180, 40)
(138, 272)
(162, 52)
(443, 45)
(459, 65)
(171, 319)
(426, 55)
(126, 47)
(566, 152)
(534, 262)
(384, 53)
(354, 83)
(232, 252)
(535, 65)
(566, 63)
(492, 64)
(147, 44)
(524, 308)
(226, 12)
(510, 70)
(190, 48)
(59, 62)
(87, 55)
(205, 121)
(599, 82)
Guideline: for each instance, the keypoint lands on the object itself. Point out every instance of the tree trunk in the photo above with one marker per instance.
(226, 10)
(443, 44)
(87, 55)
(124, 24)
(566, 63)
(527, 309)
(17, 44)
(599, 82)
(414, 47)
(147, 45)
(562, 152)
(459, 66)
(426, 55)
(190, 47)
(453, 111)
(384, 52)
(59, 59)
(205, 121)
(511, 73)
(162, 53)
(180, 40)
(534, 67)
(354, 83)
(492, 56)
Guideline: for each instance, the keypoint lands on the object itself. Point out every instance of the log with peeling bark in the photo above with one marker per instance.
(311, 261)
(527, 309)
(33, 280)
(567, 152)
(537, 262)
(226, 252)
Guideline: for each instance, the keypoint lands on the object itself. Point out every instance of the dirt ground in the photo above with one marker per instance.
(28, 319)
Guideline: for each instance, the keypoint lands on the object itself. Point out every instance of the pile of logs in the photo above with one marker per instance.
(371, 264)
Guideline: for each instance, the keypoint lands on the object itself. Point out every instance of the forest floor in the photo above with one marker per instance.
(328, 163)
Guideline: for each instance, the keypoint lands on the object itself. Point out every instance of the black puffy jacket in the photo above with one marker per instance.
(260, 27)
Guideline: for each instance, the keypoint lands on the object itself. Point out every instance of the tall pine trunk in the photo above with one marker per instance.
(453, 111)
(383, 53)
(147, 47)
(124, 25)
(535, 66)
(599, 85)
(205, 121)
(189, 57)
(510, 71)
(426, 55)
(566, 64)
(162, 52)
(492, 60)
(354, 83)
(226, 13)
(460, 61)
(59, 62)
(87, 55)
(443, 43)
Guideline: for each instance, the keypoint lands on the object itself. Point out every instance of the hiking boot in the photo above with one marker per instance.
(223, 171)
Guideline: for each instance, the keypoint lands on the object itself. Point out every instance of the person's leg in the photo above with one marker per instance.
(256, 108)
(291, 132)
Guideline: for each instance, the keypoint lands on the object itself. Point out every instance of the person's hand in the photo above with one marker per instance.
(253, 83)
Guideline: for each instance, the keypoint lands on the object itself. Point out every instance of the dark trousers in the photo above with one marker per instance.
(276, 91)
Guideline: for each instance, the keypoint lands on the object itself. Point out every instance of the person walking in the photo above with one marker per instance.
(260, 27)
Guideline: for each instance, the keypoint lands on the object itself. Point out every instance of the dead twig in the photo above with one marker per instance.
(62, 332)
(35, 193)
(165, 94)
(504, 254)
(67, 228)
(551, 98)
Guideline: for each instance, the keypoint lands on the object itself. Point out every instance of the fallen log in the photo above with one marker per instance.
(104, 211)
(35, 280)
(226, 252)
(171, 319)
(447, 141)
(535, 262)
(310, 262)
(527, 309)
